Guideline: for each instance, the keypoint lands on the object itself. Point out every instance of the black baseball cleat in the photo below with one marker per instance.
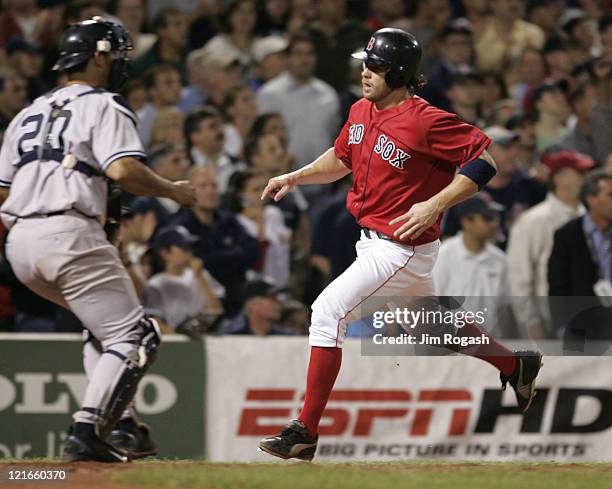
(89, 448)
(528, 364)
(134, 438)
(293, 442)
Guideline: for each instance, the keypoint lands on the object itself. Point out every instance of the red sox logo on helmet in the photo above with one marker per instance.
(370, 44)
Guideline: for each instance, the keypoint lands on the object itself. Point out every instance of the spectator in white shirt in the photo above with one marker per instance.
(470, 266)
(531, 241)
(264, 222)
(205, 139)
(309, 106)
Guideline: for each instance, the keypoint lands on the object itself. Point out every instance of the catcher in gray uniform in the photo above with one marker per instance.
(57, 159)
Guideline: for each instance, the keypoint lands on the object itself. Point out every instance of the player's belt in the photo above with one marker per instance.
(50, 154)
(371, 234)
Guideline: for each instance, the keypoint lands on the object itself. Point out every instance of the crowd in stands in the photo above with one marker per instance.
(229, 93)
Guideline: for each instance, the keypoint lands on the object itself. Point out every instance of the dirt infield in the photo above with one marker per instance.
(204, 475)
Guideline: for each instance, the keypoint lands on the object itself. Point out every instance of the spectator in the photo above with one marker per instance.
(27, 60)
(524, 127)
(580, 259)
(558, 58)
(501, 112)
(270, 56)
(240, 109)
(262, 312)
(13, 97)
(335, 38)
(131, 13)
(26, 20)
(545, 14)
(456, 55)
(163, 84)
(592, 133)
(552, 110)
(225, 247)
(483, 280)
(465, 95)
(494, 90)
(295, 317)
(170, 162)
(270, 123)
(605, 31)
(309, 106)
(510, 187)
(504, 36)
(184, 289)
(531, 241)
(530, 74)
(239, 19)
(273, 17)
(384, 13)
(210, 76)
(205, 140)
(168, 127)
(136, 94)
(577, 28)
(170, 27)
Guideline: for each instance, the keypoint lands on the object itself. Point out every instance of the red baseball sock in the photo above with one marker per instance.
(495, 353)
(322, 372)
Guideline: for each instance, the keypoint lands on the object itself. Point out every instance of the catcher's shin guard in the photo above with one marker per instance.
(134, 368)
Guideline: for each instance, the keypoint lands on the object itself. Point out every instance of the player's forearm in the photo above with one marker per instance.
(326, 168)
(460, 188)
(136, 178)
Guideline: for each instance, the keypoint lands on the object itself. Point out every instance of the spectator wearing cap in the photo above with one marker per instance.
(170, 26)
(205, 137)
(261, 314)
(504, 36)
(552, 110)
(456, 57)
(131, 13)
(531, 241)
(238, 21)
(335, 37)
(170, 162)
(163, 84)
(263, 222)
(27, 60)
(211, 74)
(470, 265)
(309, 106)
(184, 289)
(240, 110)
(510, 187)
(581, 257)
(224, 245)
(464, 92)
(270, 56)
(545, 14)
(13, 97)
(592, 133)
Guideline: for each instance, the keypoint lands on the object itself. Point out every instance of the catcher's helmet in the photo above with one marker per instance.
(81, 41)
(396, 51)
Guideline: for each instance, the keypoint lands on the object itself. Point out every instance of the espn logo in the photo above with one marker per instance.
(355, 412)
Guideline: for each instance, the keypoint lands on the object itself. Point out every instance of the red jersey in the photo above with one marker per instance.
(401, 156)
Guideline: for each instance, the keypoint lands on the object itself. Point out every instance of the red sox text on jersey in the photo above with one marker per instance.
(401, 156)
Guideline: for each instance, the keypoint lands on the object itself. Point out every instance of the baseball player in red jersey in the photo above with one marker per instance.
(404, 155)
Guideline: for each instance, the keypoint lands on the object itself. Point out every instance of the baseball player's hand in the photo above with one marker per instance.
(418, 219)
(184, 193)
(278, 187)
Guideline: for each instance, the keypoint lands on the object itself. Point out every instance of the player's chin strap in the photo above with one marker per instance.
(134, 367)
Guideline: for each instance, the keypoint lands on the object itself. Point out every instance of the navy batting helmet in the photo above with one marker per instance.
(395, 51)
(81, 41)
